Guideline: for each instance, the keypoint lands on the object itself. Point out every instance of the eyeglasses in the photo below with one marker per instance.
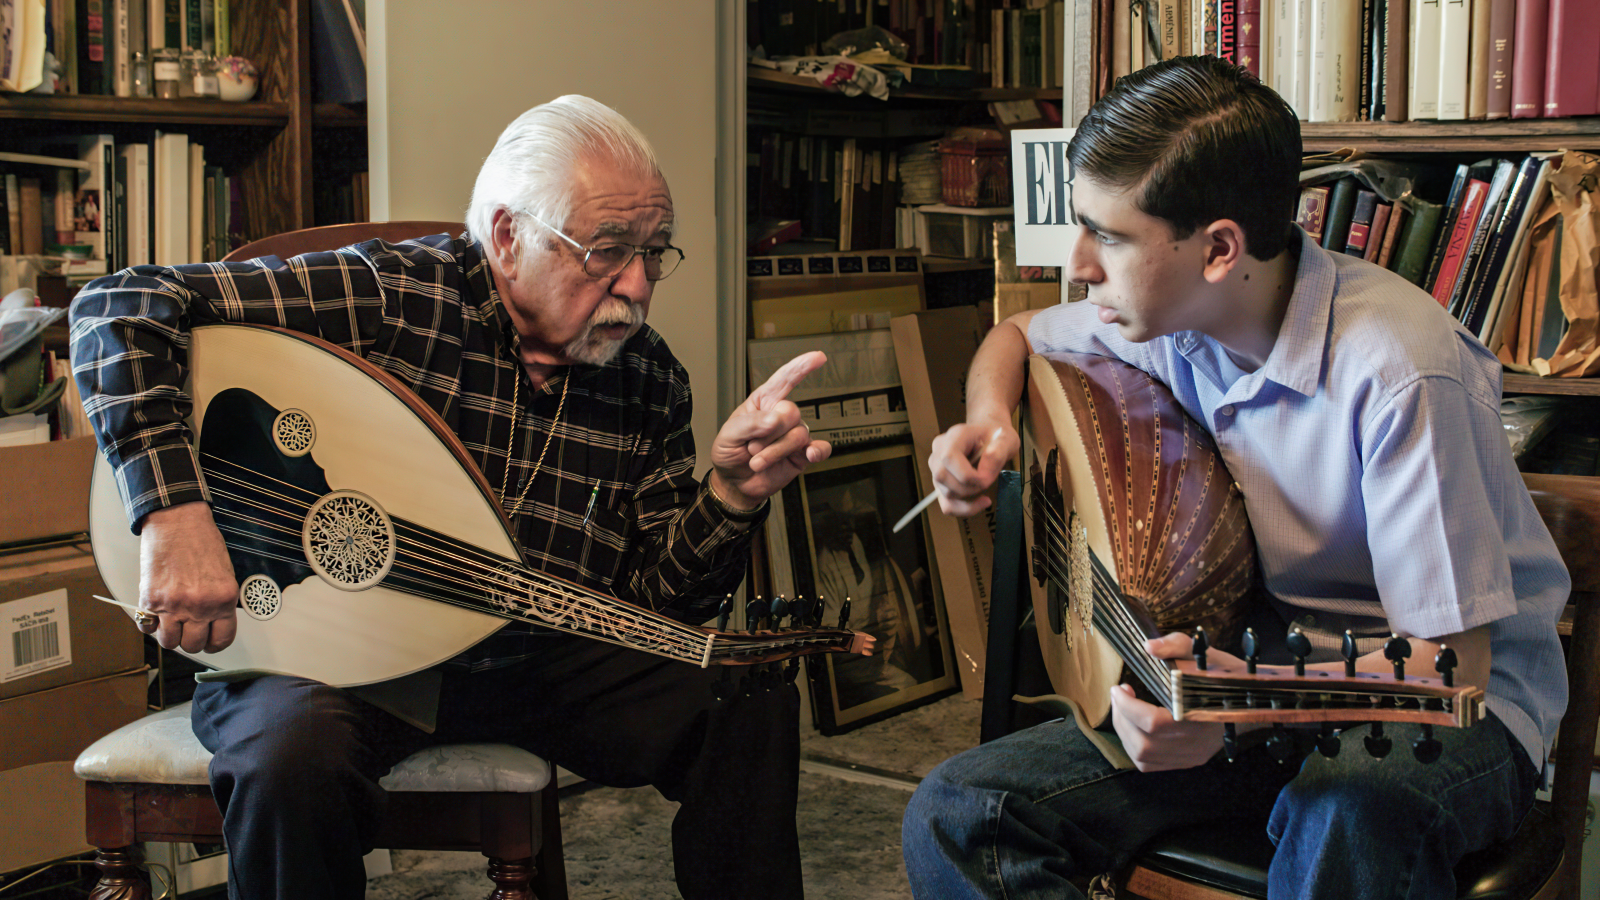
(608, 259)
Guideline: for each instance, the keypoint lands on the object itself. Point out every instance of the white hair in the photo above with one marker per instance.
(530, 168)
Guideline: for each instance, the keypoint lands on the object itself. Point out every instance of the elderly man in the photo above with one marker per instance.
(527, 336)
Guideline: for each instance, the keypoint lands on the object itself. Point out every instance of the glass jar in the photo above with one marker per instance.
(165, 72)
(189, 72)
(140, 72)
(203, 71)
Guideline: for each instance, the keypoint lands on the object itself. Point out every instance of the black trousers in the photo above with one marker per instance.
(296, 764)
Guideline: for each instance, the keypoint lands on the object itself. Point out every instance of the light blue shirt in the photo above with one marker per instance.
(1375, 472)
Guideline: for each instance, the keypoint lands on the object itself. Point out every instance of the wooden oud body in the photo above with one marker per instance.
(1138, 487)
(366, 435)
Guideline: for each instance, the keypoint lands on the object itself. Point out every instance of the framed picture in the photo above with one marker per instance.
(836, 521)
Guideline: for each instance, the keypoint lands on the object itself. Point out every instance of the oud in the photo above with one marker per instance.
(1137, 531)
(366, 543)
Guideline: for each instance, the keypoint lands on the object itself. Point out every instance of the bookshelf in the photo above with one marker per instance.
(762, 78)
(265, 143)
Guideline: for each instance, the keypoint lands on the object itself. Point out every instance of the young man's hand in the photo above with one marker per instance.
(1150, 736)
(966, 460)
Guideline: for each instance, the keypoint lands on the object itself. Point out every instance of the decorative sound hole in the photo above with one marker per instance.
(260, 597)
(1080, 577)
(348, 540)
(293, 432)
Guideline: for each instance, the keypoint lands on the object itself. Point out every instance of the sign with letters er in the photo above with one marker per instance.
(1041, 197)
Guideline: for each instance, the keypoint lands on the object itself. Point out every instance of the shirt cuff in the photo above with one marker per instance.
(158, 478)
(732, 513)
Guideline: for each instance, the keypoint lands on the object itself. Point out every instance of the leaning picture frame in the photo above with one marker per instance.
(836, 521)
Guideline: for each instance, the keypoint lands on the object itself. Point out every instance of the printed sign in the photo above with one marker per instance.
(1041, 198)
(37, 635)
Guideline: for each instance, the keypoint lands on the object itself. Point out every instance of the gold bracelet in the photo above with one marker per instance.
(733, 512)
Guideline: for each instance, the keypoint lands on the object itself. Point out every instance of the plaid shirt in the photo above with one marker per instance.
(427, 312)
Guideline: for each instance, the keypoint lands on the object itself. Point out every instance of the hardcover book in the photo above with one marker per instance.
(1313, 211)
(1529, 59)
(1572, 76)
(1424, 43)
(1455, 248)
(1502, 32)
(1414, 244)
(1341, 209)
(1361, 219)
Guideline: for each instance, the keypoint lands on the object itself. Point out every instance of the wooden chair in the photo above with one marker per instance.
(1542, 861)
(147, 781)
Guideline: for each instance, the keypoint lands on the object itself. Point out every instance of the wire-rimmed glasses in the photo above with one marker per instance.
(607, 259)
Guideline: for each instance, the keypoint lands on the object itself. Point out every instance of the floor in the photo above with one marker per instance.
(853, 792)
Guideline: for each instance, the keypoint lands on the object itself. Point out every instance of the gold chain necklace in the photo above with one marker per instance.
(516, 414)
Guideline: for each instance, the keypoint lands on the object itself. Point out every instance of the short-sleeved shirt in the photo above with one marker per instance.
(1375, 472)
(614, 505)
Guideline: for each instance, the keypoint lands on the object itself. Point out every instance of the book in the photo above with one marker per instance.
(1551, 323)
(1478, 60)
(91, 202)
(92, 69)
(1304, 49)
(1478, 303)
(1414, 244)
(1312, 212)
(1397, 60)
(136, 158)
(1366, 205)
(197, 203)
(1572, 75)
(169, 166)
(1377, 233)
(1512, 254)
(119, 39)
(13, 203)
(1424, 73)
(1341, 209)
(1494, 202)
(1502, 32)
(1248, 36)
(1397, 219)
(1460, 236)
(31, 192)
(1377, 63)
(1364, 72)
(1528, 58)
(1452, 206)
(1454, 43)
(1335, 61)
(1282, 48)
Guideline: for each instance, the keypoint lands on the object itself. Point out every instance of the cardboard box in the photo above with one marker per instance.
(934, 350)
(45, 493)
(52, 630)
(41, 815)
(55, 725)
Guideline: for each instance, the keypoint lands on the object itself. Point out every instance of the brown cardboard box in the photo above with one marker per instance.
(45, 493)
(934, 349)
(66, 636)
(41, 801)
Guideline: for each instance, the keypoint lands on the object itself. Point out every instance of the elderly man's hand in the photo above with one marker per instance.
(764, 445)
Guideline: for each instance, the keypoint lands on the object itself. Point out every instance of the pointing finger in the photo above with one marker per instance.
(783, 381)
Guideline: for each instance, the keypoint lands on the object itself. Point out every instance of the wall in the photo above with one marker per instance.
(441, 87)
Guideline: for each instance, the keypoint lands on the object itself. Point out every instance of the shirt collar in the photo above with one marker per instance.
(1300, 352)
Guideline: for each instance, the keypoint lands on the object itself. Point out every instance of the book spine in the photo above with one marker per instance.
(1478, 61)
(1573, 73)
(1211, 11)
(1364, 76)
(1397, 60)
(1530, 42)
(1456, 248)
(1378, 65)
(92, 47)
(121, 55)
(1283, 31)
(224, 35)
(1398, 215)
(1304, 50)
(1361, 218)
(1247, 41)
(1341, 211)
(1425, 59)
(1312, 212)
(1379, 231)
(193, 31)
(1335, 61)
(1415, 243)
(1502, 31)
(1455, 23)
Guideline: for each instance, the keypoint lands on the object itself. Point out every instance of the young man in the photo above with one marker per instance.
(545, 296)
(1362, 424)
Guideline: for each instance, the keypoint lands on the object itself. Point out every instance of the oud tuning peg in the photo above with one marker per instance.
(724, 610)
(1300, 646)
(844, 614)
(780, 608)
(1395, 650)
(1445, 665)
(1349, 652)
(754, 612)
(799, 612)
(1251, 645)
(1230, 741)
(1426, 748)
(818, 606)
(1280, 745)
(1200, 647)
(1328, 742)
(1378, 744)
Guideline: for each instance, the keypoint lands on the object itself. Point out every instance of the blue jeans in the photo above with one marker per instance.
(1028, 815)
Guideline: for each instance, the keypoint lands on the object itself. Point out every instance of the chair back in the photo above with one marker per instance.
(332, 237)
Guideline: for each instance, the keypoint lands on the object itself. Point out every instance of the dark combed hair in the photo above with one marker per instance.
(1207, 141)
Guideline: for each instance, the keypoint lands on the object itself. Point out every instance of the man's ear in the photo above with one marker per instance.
(503, 241)
(1224, 249)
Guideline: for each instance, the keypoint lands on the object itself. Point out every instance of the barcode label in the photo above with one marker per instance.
(30, 645)
(38, 632)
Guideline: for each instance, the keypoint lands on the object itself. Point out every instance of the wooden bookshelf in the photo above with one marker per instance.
(1494, 136)
(1516, 383)
(763, 77)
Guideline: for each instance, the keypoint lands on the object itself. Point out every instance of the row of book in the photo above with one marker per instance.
(94, 41)
(1489, 251)
(99, 207)
(1395, 60)
(842, 190)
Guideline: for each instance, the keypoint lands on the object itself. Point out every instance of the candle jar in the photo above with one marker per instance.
(189, 77)
(165, 72)
(139, 70)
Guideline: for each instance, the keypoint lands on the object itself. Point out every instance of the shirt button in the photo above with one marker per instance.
(1227, 410)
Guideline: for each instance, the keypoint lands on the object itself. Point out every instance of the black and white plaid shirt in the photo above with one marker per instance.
(427, 312)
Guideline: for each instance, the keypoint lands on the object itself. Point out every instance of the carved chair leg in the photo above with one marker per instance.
(121, 878)
(513, 878)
